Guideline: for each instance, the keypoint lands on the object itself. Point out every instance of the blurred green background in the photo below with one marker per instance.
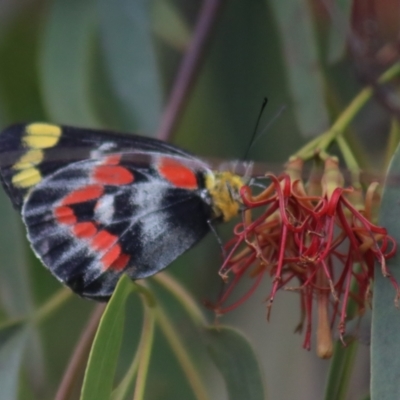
(112, 64)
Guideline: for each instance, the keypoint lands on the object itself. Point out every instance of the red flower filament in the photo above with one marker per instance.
(320, 234)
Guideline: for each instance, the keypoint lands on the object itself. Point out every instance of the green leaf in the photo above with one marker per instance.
(15, 288)
(13, 340)
(303, 68)
(339, 30)
(99, 375)
(68, 46)
(237, 362)
(385, 338)
(18, 69)
(15, 291)
(170, 26)
(126, 34)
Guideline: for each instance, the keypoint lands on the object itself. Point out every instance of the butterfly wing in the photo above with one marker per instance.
(31, 152)
(93, 220)
(97, 204)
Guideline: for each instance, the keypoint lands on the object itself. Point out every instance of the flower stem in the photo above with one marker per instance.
(145, 347)
(181, 354)
(394, 140)
(80, 355)
(350, 161)
(121, 391)
(322, 142)
(140, 362)
(51, 305)
(182, 295)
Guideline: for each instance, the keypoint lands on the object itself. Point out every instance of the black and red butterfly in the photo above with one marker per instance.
(97, 204)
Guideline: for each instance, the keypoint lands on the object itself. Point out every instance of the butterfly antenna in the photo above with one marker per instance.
(270, 123)
(253, 136)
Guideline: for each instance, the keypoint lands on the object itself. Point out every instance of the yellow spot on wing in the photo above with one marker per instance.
(27, 178)
(41, 136)
(29, 159)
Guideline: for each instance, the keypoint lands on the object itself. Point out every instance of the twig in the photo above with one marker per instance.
(190, 67)
(80, 354)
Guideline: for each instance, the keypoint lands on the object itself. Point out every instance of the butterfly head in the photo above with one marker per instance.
(224, 189)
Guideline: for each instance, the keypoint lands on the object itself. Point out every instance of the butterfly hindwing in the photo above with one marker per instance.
(93, 220)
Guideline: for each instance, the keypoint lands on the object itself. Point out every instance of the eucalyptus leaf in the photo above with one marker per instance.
(15, 287)
(385, 338)
(237, 362)
(303, 69)
(99, 375)
(170, 26)
(65, 65)
(15, 291)
(13, 340)
(339, 30)
(127, 44)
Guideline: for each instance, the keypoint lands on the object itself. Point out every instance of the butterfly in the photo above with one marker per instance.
(97, 204)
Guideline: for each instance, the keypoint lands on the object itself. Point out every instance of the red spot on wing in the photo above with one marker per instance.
(110, 256)
(113, 258)
(103, 240)
(83, 194)
(84, 230)
(112, 175)
(121, 262)
(65, 215)
(177, 173)
(114, 159)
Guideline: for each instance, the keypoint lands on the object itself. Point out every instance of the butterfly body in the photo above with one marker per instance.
(98, 204)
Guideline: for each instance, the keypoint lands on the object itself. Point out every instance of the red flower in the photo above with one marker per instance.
(322, 235)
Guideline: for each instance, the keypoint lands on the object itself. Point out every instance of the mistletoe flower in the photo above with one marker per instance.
(316, 239)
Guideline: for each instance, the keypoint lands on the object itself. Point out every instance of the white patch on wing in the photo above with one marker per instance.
(155, 227)
(104, 209)
(149, 197)
(99, 152)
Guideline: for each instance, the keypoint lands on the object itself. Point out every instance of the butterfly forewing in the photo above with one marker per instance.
(28, 153)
